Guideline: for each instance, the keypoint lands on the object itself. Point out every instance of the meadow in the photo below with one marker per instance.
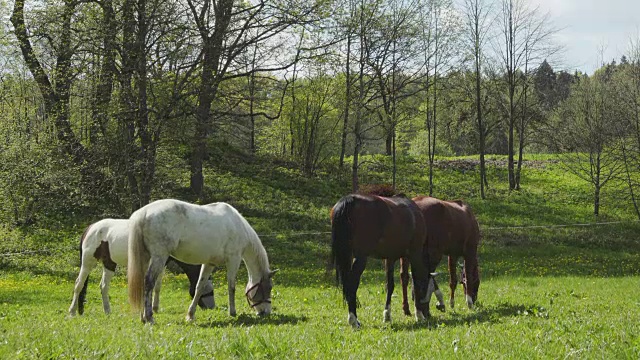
(550, 288)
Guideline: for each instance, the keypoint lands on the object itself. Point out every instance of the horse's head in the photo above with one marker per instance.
(422, 290)
(259, 294)
(471, 285)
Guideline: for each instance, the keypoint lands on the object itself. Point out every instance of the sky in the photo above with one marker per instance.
(586, 26)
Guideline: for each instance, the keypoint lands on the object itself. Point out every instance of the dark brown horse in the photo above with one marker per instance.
(383, 227)
(452, 230)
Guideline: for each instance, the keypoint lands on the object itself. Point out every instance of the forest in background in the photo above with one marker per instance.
(106, 105)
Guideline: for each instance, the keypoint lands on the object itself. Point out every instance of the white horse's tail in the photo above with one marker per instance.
(138, 262)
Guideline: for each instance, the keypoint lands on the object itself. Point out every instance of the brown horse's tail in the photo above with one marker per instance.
(138, 261)
(83, 293)
(341, 252)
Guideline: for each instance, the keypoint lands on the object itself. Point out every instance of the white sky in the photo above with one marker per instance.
(586, 26)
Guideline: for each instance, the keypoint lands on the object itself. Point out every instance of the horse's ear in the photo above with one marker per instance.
(272, 272)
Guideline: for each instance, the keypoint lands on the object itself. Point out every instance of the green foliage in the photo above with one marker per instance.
(36, 186)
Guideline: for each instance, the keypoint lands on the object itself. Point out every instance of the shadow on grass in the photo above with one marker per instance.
(489, 314)
(253, 320)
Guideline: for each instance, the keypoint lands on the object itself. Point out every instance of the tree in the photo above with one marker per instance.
(224, 30)
(627, 83)
(439, 38)
(476, 14)
(586, 132)
(55, 85)
(524, 35)
(392, 53)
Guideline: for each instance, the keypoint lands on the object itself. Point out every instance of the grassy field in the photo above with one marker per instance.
(549, 291)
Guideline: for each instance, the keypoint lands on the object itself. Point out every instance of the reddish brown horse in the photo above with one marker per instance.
(452, 230)
(385, 228)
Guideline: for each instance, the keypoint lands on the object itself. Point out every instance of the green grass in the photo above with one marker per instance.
(546, 292)
(517, 317)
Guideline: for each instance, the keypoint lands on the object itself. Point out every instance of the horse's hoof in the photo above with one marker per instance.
(189, 318)
(469, 302)
(419, 316)
(440, 307)
(353, 321)
(451, 303)
(232, 313)
(386, 315)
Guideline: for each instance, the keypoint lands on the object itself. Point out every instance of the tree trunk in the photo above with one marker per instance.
(209, 82)
(630, 183)
(203, 118)
(388, 143)
(147, 142)
(128, 102)
(56, 97)
(510, 159)
(104, 89)
(345, 124)
(598, 186)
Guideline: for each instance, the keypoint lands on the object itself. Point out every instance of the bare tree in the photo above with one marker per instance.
(392, 56)
(477, 21)
(524, 35)
(439, 42)
(629, 92)
(586, 132)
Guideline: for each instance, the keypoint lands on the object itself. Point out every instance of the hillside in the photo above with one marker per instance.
(291, 213)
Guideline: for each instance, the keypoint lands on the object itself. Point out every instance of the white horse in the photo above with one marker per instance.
(107, 241)
(209, 235)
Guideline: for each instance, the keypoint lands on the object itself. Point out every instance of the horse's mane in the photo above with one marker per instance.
(384, 190)
(255, 243)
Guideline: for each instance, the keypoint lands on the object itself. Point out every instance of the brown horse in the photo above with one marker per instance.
(383, 227)
(452, 230)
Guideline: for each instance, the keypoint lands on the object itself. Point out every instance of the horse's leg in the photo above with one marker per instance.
(156, 293)
(107, 275)
(156, 266)
(404, 281)
(88, 263)
(453, 279)
(233, 264)
(357, 268)
(389, 265)
(433, 283)
(193, 273)
(205, 272)
(471, 280)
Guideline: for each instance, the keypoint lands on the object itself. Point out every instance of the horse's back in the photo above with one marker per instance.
(113, 232)
(451, 226)
(191, 233)
(393, 223)
(463, 221)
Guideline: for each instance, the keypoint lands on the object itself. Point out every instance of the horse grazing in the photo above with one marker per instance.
(209, 235)
(452, 230)
(106, 241)
(383, 227)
